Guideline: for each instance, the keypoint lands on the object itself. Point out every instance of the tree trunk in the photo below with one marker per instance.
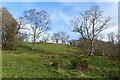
(33, 45)
(92, 48)
(56, 41)
(62, 42)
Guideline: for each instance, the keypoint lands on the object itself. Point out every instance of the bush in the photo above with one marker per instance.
(80, 63)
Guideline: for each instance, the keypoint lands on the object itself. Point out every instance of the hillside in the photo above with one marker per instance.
(48, 49)
(27, 63)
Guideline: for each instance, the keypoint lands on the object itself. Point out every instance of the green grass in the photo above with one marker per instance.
(26, 63)
(50, 49)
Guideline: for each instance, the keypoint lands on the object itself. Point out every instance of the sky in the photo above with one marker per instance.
(59, 0)
(62, 12)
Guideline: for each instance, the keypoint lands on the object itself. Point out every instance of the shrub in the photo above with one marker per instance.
(80, 63)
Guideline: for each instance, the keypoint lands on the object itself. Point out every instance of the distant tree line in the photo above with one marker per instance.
(60, 36)
(101, 48)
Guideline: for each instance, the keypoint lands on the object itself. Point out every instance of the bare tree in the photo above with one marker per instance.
(45, 39)
(20, 25)
(63, 36)
(70, 42)
(39, 22)
(21, 37)
(20, 30)
(99, 37)
(90, 23)
(111, 37)
(118, 43)
(117, 38)
(55, 37)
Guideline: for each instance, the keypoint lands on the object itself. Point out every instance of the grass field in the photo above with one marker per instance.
(27, 63)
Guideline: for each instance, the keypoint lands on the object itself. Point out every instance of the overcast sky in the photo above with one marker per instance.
(62, 12)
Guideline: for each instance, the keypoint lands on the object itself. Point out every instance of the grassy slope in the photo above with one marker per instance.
(50, 49)
(29, 64)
